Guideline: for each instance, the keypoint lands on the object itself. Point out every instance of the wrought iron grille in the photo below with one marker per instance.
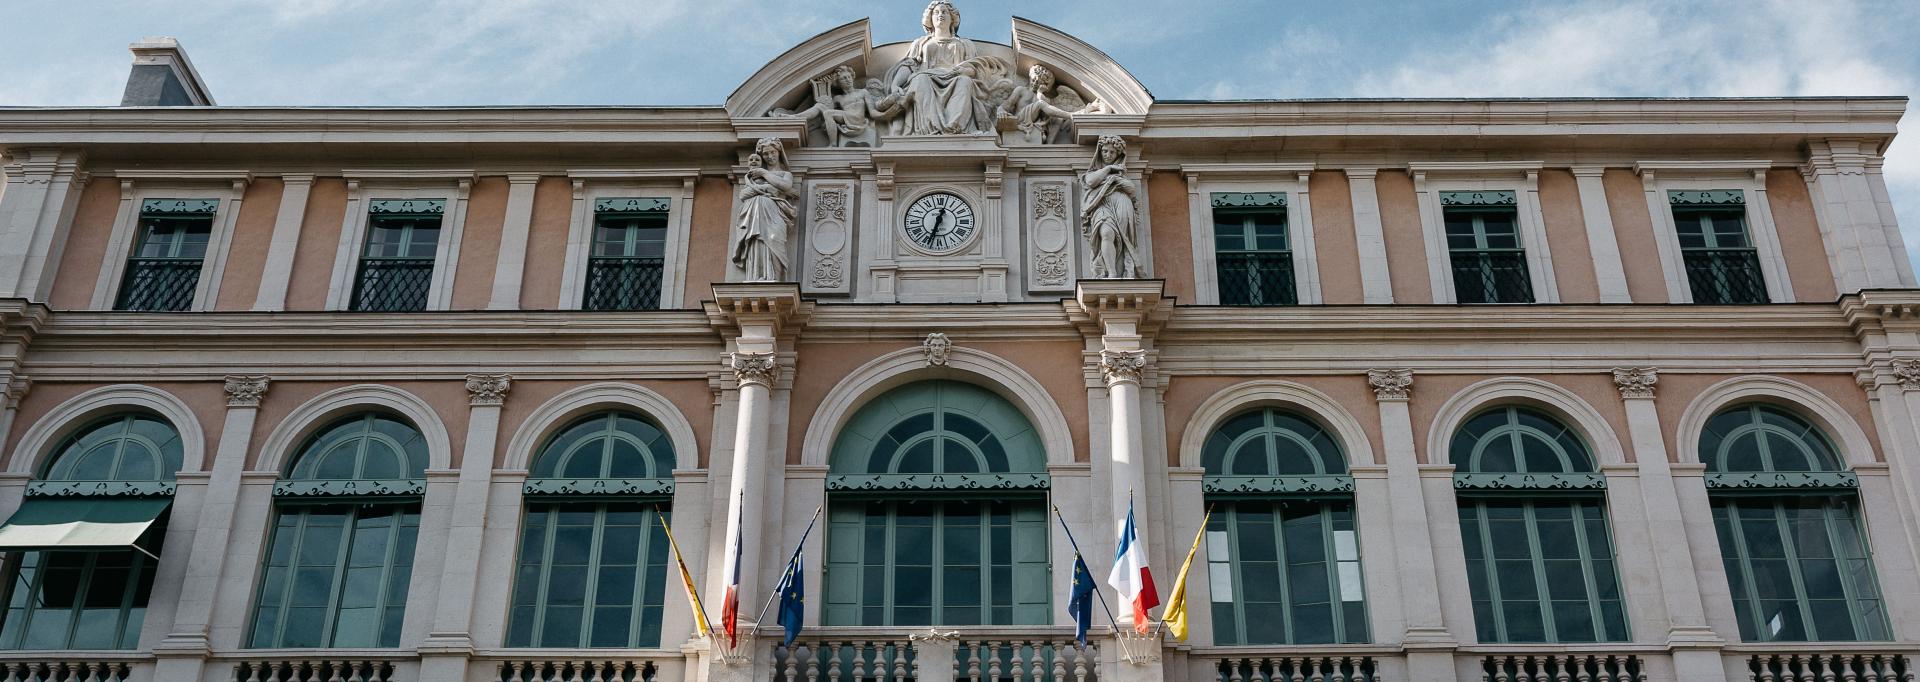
(623, 284)
(159, 284)
(1257, 278)
(1724, 276)
(1491, 276)
(393, 284)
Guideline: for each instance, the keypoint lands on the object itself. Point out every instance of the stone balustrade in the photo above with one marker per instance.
(1026, 660)
(577, 670)
(1807, 666)
(1306, 667)
(1563, 667)
(73, 670)
(837, 659)
(314, 669)
(999, 655)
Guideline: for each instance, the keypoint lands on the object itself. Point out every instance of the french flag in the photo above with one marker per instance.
(730, 608)
(1131, 576)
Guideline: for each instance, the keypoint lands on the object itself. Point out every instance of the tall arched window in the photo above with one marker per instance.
(1533, 522)
(84, 544)
(1283, 559)
(1788, 521)
(347, 515)
(593, 554)
(937, 512)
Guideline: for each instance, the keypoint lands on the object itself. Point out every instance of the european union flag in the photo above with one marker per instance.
(793, 597)
(1080, 603)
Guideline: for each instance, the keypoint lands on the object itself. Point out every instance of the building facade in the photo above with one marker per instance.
(1547, 389)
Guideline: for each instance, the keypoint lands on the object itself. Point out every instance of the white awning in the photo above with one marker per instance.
(90, 523)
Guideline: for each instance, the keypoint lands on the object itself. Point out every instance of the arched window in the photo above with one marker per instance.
(1283, 558)
(1534, 526)
(1788, 521)
(937, 512)
(593, 554)
(91, 528)
(347, 515)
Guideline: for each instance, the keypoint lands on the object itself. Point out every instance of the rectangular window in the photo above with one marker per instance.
(629, 254)
(1253, 254)
(591, 575)
(77, 600)
(923, 563)
(396, 267)
(336, 576)
(1799, 569)
(1483, 242)
(171, 245)
(1542, 571)
(1285, 572)
(1723, 267)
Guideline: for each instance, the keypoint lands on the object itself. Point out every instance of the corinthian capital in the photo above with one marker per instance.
(488, 389)
(1123, 365)
(754, 368)
(1390, 384)
(1907, 372)
(245, 390)
(1636, 382)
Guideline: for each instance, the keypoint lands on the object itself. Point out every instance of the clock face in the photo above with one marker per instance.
(939, 222)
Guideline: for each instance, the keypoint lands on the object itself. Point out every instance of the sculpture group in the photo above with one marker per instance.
(944, 86)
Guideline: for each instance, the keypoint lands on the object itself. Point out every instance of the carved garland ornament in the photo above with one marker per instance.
(1636, 382)
(1390, 384)
(754, 368)
(488, 389)
(1121, 366)
(245, 391)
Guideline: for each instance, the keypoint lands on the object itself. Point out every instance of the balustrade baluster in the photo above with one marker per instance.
(833, 664)
(973, 661)
(859, 661)
(900, 661)
(1059, 651)
(1829, 667)
(993, 660)
(1080, 667)
(1565, 673)
(1851, 667)
(812, 664)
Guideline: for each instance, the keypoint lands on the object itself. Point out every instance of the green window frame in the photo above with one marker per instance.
(339, 564)
(163, 269)
(592, 566)
(1253, 249)
(937, 512)
(628, 255)
(1716, 246)
(1787, 518)
(1283, 551)
(396, 264)
(62, 599)
(1488, 258)
(1533, 524)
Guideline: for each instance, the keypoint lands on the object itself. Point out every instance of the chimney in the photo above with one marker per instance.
(162, 76)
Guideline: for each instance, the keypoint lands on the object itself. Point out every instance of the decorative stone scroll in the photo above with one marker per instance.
(1390, 384)
(1636, 382)
(488, 389)
(1706, 197)
(1123, 365)
(754, 368)
(1050, 240)
(246, 391)
(829, 237)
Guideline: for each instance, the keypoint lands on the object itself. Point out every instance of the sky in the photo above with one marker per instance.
(461, 52)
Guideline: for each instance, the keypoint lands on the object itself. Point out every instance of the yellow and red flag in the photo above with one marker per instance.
(1175, 617)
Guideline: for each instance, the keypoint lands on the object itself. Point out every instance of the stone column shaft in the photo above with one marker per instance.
(449, 641)
(1428, 641)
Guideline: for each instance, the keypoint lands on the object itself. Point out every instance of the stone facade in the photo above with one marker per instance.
(1023, 218)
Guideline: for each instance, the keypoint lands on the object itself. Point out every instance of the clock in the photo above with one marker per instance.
(939, 222)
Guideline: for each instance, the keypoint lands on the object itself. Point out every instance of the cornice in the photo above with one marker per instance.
(364, 125)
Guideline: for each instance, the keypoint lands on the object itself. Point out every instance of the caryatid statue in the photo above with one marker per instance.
(948, 84)
(767, 214)
(1108, 217)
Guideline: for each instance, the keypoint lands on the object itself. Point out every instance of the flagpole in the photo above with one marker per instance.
(755, 629)
(1097, 592)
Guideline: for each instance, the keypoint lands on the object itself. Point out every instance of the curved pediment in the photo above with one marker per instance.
(912, 88)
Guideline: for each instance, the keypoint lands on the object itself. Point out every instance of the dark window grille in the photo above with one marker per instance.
(1491, 277)
(393, 284)
(164, 270)
(1256, 278)
(623, 284)
(1725, 276)
(159, 284)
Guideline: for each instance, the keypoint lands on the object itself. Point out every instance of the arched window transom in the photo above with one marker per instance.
(938, 435)
(1521, 448)
(611, 453)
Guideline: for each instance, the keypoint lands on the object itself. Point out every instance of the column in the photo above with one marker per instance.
(278, 272)
(755, 372)
(1376, 283)
(43, 187)
(511, 265)
(182, 654)
(1608, 269)
(1696, 648)
(448, 644)
(1429, 644)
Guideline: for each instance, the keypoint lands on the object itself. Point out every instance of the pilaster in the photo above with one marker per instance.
(449, 642)
(278, 272)
(43, 187)
(509, 269)
(1863, 241)
(1608, 269)
(1376, 283)
(1429, 643)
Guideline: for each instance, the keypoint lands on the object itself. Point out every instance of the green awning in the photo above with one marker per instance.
(93, 523)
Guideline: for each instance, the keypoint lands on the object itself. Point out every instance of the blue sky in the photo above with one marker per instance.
(451, 52)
